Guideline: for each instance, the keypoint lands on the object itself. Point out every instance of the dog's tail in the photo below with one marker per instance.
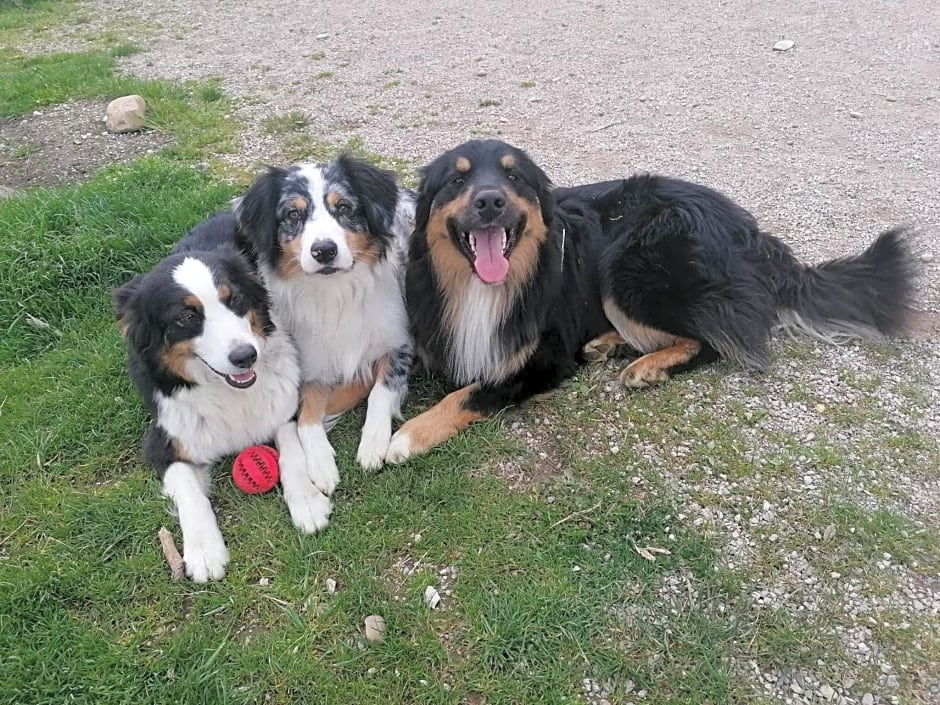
(865, 296)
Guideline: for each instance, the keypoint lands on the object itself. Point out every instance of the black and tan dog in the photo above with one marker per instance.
(509, 282)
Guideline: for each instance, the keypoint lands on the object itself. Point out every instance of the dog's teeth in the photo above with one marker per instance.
(504, 239)
(471, 241)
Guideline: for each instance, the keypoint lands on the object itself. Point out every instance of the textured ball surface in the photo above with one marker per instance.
(255, 470)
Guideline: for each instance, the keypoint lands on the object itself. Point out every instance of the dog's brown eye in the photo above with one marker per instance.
(458, 180)
(187, 317)
(343, 208)
(511, 176)
(293, 214)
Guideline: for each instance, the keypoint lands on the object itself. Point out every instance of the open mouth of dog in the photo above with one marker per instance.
(488, 249)
(241, 380)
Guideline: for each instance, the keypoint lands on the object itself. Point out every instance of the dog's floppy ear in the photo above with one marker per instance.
(539, 180)
(132, 317)
(124, 303)
(256, 214)
(376, 189)
(432, 181)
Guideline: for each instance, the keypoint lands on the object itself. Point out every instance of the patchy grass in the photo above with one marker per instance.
(489, 102)
(285, 124)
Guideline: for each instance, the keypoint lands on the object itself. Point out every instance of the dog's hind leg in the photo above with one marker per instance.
(655, 367)
(665, 353)
(603, 346)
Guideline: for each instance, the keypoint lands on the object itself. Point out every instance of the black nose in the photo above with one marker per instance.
(323, 251)
(489, 204)
(244, 356)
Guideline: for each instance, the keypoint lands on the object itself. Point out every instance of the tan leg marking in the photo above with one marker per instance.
(653, 367)
(442, 421)
(317, 401)
(603, 346)
(347, 397)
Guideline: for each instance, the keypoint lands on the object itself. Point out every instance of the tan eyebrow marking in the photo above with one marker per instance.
(462, 165)
(508, 161)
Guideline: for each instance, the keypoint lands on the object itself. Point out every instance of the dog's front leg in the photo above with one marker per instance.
(442, 421)
(309, 507)
(204, 553)
(321, 460)
(385, 400)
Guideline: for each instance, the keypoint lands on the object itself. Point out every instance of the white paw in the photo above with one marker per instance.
(321, 461)
(205, 556)
(373, 446)
(309, 508)
(399, 449)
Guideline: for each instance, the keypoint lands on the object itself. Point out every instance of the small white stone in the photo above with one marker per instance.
(827, 692)
(375, 628)
(330, 585)
(926, 257)
(431, 597)
(868, 699)
(783, 45)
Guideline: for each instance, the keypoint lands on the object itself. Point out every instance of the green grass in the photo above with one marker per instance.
(285, 124)
(489, 102)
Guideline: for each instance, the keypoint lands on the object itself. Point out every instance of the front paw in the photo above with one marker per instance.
(399, 449)
(309, 508)
(205, 556)
(321, 460)
(373, 447)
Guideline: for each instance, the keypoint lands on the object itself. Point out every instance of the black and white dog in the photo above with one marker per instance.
(218, 376)
(329, 241)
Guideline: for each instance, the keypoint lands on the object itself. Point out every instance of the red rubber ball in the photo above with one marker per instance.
(255, 470)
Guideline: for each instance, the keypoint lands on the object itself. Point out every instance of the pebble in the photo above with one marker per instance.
(783, 45)
(855, 115)
(926, 257)
(868, 699)
(827, 692)
(375, 628)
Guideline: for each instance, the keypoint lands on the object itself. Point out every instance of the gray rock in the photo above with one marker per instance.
(784, 45)
(125, 114)
(868, 699)
(926, 257)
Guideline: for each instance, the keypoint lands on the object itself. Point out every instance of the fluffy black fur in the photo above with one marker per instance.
(685, 259)
(675, 257)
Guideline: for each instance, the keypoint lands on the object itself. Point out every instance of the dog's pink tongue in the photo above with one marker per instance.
(490, 263)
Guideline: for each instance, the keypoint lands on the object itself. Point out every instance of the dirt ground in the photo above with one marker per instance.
(64, 144)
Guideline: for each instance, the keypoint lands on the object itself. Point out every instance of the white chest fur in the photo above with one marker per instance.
(342, 323)
(476, 353)
(213, 419)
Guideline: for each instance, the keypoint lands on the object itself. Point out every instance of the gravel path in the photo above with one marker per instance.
(826, 142)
